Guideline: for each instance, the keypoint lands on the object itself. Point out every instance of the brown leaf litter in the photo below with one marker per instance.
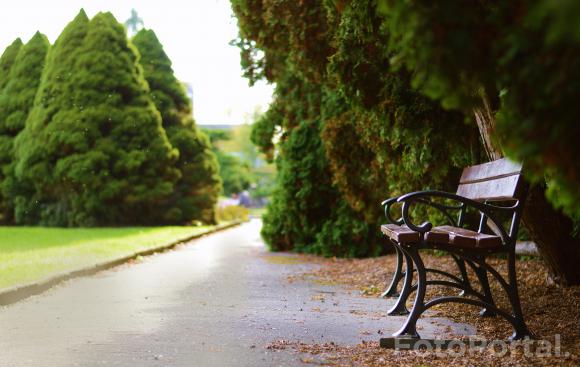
(549, 310)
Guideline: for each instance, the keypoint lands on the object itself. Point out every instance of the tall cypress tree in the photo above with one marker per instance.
(15, 103)
(197, 190)
(104, 158)
(7, 60)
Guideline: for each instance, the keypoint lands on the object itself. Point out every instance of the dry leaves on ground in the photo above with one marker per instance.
(549, 310)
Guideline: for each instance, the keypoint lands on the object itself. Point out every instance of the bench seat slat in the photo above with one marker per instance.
(401, 234)
(444, 234)
(437, 236)
(465, 237)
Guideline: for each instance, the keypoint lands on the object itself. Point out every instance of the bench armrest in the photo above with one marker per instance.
(424, 196)
(387, 204)
(444, 209)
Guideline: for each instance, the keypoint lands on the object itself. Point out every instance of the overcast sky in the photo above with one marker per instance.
(194, 33)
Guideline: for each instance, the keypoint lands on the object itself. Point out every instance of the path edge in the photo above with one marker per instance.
(18, 293)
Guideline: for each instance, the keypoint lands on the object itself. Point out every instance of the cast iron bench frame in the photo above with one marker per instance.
(481, 187)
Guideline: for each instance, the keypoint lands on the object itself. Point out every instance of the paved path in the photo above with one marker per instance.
(218, 301)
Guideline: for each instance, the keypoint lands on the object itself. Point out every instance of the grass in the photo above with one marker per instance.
(29, 254)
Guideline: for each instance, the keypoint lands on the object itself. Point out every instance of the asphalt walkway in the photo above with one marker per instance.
(216, 301)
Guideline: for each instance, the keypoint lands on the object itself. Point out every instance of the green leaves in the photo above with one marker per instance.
(105, 157)
(7, 60)
(16, 100)
(306, 213)
(526, 51)
(196, 191)
(352, 130)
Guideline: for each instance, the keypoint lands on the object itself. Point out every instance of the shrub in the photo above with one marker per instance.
(353, 132)
(105, 158)
(307, 214)
(15, 103)
(198, 187)
(7, 60)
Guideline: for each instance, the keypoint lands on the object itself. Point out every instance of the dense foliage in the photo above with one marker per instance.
(506, 72)
(105, 158)
(351, 132)
(306, 213)
(7, 60)
(196, 192)
(406, 141)
(235, 174)
(523, 56)
(16, 100)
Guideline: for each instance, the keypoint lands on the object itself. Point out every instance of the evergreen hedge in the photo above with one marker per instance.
(523, 56)
(93, 148)
(370, 135)
(504, 73)
(196, 192)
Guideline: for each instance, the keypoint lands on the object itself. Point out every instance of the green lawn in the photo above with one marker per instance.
(29, 254)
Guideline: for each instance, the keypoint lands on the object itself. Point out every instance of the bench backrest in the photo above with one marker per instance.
(492, 181)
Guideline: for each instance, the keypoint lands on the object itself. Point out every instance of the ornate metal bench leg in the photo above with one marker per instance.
(462, 269)
(521, 330)
(488, 297)
(409, 329)
(400, 307)
(399, 274)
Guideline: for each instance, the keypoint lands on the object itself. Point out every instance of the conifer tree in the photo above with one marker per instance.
(377, 137)
(104, 158)
(15, 103)
(197, 190)
(508, 69)
(7, 59)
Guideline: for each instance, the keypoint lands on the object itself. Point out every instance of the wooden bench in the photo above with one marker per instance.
(495, 191)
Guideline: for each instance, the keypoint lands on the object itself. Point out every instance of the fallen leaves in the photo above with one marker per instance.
(548, 310)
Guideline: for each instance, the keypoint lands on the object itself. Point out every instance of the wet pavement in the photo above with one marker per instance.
(216, 301)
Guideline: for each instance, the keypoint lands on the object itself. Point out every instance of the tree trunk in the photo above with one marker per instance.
(485, 118)
(549, 228)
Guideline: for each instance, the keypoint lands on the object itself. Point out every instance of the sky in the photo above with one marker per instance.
(195, 35)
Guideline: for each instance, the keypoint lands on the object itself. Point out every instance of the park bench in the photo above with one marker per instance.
(492, 195)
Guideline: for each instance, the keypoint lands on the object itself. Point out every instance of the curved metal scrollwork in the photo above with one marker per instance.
(421, 197)
(388, 204)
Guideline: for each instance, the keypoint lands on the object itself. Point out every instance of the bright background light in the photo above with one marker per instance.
(194, 33)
